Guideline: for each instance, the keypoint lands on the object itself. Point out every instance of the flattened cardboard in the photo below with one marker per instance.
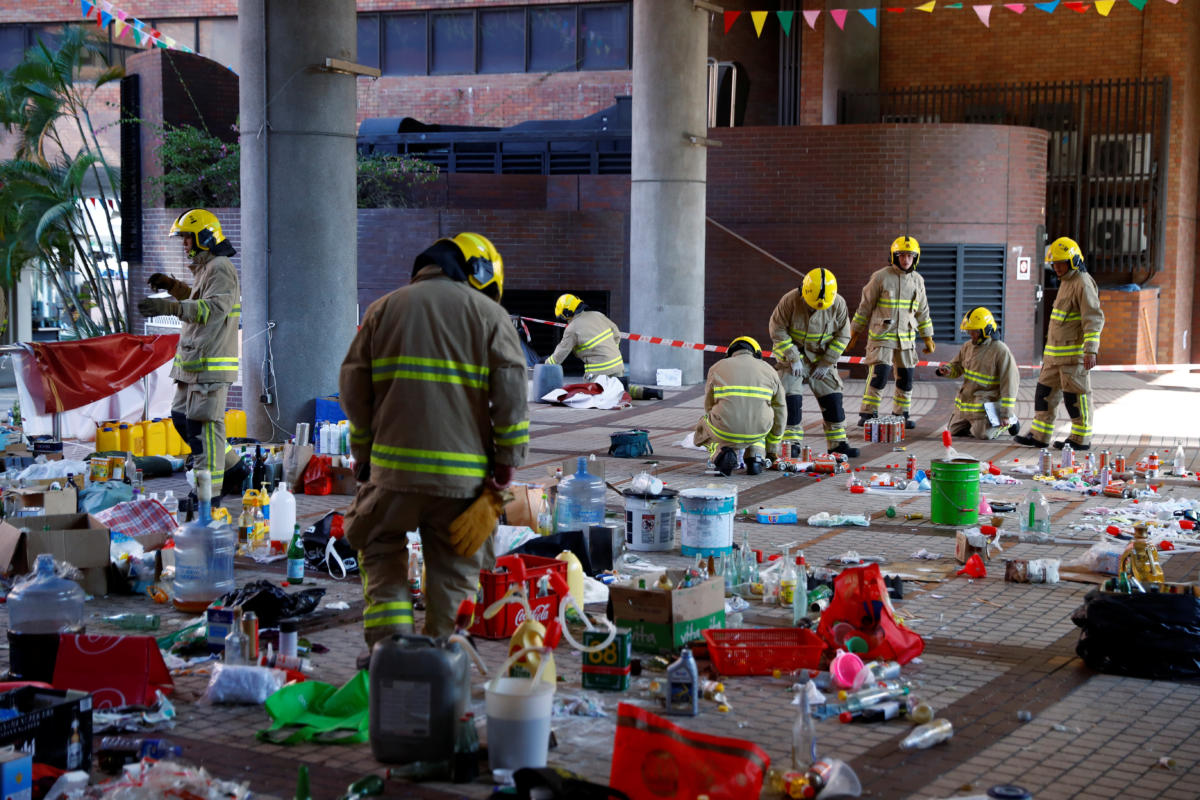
(525, 506)
(80, 539)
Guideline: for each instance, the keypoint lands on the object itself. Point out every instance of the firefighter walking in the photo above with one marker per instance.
(990, 378)
(810, 327)
(744, 408)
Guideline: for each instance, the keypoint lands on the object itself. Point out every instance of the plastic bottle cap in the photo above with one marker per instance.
(287, 625)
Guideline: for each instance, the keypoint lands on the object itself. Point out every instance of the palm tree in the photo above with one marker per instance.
(44, 222)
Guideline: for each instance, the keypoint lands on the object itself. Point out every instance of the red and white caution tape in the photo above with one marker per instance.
(716, 348)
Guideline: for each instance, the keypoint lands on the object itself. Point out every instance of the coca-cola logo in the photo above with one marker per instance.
(541, 613)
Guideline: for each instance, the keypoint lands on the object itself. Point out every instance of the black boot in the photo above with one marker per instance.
(1028, 441)
(726, 461)
(1074, 446)
(754, 465)
(845, 449)
(908, 423)
(863, 417)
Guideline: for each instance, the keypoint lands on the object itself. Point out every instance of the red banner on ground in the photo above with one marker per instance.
(74, 374)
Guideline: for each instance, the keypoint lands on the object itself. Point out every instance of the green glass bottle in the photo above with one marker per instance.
(295, 558)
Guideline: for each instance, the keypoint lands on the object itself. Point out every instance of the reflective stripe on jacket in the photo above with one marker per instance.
(434, 387)
(799, 330)
(208, 343)
(744, 401)
(894, 310)
(990, 375)
(1076, 320)
(596, 339)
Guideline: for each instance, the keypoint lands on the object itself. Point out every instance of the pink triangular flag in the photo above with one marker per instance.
(839, 16)
(811, 18)
(983, 12)
(1016, 8)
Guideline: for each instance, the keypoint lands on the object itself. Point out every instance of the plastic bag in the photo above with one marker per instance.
(271, 603)
(326, 549)
(630, 444)
(654, 758)
(237, 683)
(1151, 636)
(318, 476)
(96, 497)
(319, 712)
(860, 600)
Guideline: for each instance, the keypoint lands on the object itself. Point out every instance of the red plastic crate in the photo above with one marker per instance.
(761, 651)
(510, 569)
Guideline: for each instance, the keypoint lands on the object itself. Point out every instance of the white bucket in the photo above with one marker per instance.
(650, 521)
(707, 515)
(518, 717)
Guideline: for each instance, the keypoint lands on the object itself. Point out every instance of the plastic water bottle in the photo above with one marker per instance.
(804, 735)
(46, 603)
(927, 735)
(1179, 462)
(282, 506)
(171, 503)
(203, 555)
(1035, 513)
(800, 594)
(580, 500)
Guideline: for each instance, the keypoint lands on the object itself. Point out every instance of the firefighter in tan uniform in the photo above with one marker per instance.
(895, 313)
(1072, 343)
(434, 388)
(990, 376)
(809, 330)
(596, 340)
(206, 362)
(744, 408)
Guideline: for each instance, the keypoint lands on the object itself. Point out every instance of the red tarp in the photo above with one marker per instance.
(74, 374)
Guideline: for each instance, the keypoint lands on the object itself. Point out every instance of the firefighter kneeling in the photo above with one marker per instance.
(990, 378)
(744, 409)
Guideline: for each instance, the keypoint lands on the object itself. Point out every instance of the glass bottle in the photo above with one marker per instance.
(295, 557)
(235, 641)
(804, 736)
(800, 595)
(927, 735)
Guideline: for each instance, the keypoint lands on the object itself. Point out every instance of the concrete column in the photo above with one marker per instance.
(299, 205)
(667, 203)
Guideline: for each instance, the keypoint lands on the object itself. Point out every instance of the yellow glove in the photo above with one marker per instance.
(929, 345)
(471, 528)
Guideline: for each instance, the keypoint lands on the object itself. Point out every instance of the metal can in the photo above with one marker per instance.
(1119, 463)
(1068, 457)
(1045, 465)
(806, 453)
(250, 631)
(910, 467)
(1153, 465)
(1104, 458)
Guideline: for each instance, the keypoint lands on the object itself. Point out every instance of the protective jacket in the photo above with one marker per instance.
(744, 401)
(894, 311)
(800, 331)
(990, 375)
(596, 340)
(208, 343)
(1075, 320)
(434, 388)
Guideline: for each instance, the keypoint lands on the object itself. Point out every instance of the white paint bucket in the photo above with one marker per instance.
(650, 520)
(707, 514)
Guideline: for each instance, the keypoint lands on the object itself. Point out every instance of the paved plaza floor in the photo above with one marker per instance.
(993, 649)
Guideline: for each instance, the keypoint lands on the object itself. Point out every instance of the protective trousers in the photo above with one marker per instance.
(377, 526)
(704, 436)
(828, 391)
(976, 428)
(1071, 384)
(198, 414)
(905, 362)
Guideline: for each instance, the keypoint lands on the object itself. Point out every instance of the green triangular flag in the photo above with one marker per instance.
(1138, 4)
(785, 21)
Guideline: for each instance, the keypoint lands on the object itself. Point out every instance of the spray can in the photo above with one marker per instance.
(1105, 476)
(1089, 464)
(1044, 465)
(1105, 457)
(1068, 457)
(1119, 463)
(1152, 465)
(250, 630)
(910, 467)
(806, 453)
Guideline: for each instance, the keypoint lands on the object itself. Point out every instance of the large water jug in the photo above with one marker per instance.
(131, 438)
(203, 555)
(107, 438)
(46, 603)
(175, 444)
(154, 436)
(419, 687)
(580, 501)
(282, 514)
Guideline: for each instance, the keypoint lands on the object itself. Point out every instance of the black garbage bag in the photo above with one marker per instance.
(1151, 636)
(593, 548)
(338, 559)
(563, 785)
(271, 603)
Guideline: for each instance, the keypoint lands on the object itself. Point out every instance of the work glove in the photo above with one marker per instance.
(471, 528)
(799, 368)
(162, 282)
(942, 371)
(850, 344)
(821, 372)
(929, 345)
(158, 306)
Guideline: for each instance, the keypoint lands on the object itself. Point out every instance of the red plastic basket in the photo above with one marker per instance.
(761, 651)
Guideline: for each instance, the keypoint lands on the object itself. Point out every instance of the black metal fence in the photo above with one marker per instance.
(1106, 163)
(508, 153)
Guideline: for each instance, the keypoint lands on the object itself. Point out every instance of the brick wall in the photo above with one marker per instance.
(1130, 334)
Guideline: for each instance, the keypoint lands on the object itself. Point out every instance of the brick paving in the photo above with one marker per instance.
(993, 649)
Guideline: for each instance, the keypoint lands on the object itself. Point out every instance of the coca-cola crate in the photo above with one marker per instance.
(544, 596)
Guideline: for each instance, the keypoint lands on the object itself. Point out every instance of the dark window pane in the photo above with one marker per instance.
(46, 34)
(502, 41)
(404, 43)
(552, 39)
(12, 45)
(604, 31)
(368, 40)
(453, 43)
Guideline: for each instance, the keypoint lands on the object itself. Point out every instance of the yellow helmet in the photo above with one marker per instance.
(1064, 249)
(203, 225)
(906, 244)
(485, 267)
(979, 319)
(743, 343)
(819, 288)
(565, 306)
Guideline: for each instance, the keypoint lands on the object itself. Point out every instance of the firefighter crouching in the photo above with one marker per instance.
(744, 409)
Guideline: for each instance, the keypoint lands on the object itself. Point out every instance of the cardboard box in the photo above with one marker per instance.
(964, 548)
(16, 775)
(54, 726)
(51, 501)
(80, 539)
(344, 481)
(661, 621)
(525, 505)
(78, 479)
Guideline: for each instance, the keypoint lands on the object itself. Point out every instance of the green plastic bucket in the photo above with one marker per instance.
(955, 496)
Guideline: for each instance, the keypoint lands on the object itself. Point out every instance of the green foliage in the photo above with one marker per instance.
(390, 181)
(198, 169)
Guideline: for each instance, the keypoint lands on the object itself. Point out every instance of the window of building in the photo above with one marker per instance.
(958, 278)
(368, 40)
(218, 40)
(502, 41)
(12, 45)
(405, 43)
(552, 39)
(453, 39)
(604, 36)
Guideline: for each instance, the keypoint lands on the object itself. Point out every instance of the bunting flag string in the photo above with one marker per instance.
(839, 15)
(123, 22)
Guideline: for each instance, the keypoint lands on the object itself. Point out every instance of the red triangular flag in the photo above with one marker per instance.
(730, 18)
